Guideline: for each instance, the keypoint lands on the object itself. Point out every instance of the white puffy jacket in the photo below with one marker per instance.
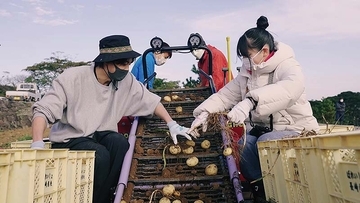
(285, 98)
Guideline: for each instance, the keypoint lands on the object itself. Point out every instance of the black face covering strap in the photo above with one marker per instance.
(114, 82)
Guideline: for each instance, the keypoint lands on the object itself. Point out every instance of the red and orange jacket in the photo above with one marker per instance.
(219, 62)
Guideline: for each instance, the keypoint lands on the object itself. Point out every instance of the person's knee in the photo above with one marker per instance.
(102, 157)
(250, 140)
(119, 142)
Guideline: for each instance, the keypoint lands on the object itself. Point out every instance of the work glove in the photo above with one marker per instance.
(240, 111)
(38, 145)
(176, 129)
(200, 120)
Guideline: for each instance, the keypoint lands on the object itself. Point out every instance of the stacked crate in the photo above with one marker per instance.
(323, 168)
(46, 176)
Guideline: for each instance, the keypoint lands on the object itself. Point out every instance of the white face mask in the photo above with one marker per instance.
(254, 65)
(160, 60)
(198, 53)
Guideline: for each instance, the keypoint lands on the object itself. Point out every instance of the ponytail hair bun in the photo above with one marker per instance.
(262, 22)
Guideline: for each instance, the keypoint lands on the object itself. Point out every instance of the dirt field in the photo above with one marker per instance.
(8, 136)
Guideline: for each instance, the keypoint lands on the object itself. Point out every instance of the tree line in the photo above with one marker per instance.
(324, 109)
(45, 72)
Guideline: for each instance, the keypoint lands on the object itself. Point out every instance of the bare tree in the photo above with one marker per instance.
(45, 72)
(12, 80)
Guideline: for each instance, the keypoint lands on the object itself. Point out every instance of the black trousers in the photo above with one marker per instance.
(110, 149)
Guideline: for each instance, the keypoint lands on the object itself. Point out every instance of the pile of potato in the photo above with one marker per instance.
(192, 161)
(169, 98)
(169, 192)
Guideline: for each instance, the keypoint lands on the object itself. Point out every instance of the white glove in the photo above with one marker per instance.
(200, 120)
(38, 145)
(240, 111)
(176, 129)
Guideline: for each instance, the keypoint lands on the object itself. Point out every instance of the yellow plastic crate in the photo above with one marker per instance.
(26, 144)
(80, 176)
(6, 162)
(340, 155)
(37, 176)
(326, 129)
(312, 169)
(49, 176)
(270, 161)
(300, 161)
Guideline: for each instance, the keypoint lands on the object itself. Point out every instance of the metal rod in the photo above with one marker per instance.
(211, 81)
(146, 80)
(160, 186)
(125, 170)
(228, 57)
(144, 63)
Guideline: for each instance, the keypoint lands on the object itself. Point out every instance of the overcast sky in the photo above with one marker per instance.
(324, 34)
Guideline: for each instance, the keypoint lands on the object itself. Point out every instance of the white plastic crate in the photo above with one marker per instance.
(80, 176)
(323, 168)
(6, 162)
(37, 176)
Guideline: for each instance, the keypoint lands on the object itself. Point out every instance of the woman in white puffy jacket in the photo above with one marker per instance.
(270, 88)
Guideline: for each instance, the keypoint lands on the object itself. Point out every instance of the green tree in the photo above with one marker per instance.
(161, 83)
(326, 108)
(4, 88)
(352, 110)
(45, 72)
(191, 82)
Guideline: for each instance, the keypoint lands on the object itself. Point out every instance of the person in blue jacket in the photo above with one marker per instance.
(152, 59)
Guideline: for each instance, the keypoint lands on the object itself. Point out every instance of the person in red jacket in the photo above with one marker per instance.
(218, 61)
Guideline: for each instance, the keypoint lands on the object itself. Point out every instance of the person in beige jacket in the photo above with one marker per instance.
(85, 103)
(268, 95)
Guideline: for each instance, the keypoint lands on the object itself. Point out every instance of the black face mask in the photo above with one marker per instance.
(118, 75)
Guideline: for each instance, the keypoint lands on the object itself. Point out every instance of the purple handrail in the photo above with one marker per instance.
(233, 171)
(125, 170)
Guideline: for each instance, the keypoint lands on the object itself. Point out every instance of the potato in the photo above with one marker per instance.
(174, 97)
(176, 201)
(168, 190)
(227, 151)
(177, 193)
(175, 149)
(188, 150)
(190, 143)
(205, 144)
(192, 161)
(164, 200)
(211, 170)
(198, 201)
(178, 109)
(167, 98)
